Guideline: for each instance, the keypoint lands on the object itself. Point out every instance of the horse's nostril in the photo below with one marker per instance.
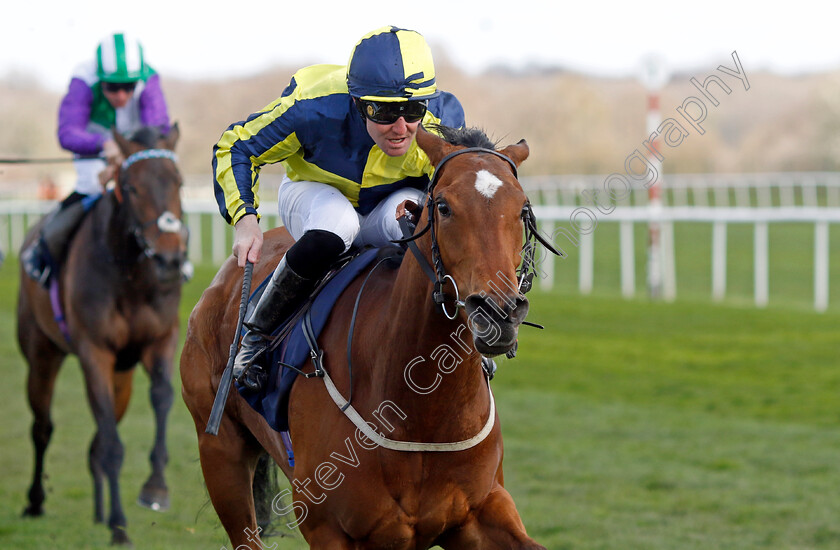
(511, 309)
(168, 263)
(520, 310)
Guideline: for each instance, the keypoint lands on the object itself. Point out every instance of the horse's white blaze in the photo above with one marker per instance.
(486, 183)
(169, 223)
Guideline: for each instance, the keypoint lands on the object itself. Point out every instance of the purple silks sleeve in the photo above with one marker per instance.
(73, 117)
(153, 111)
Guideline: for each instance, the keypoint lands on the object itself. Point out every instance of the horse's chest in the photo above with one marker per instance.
(144, 323)
(410, 499)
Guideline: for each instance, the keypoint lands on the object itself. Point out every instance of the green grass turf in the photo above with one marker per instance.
(627, 424)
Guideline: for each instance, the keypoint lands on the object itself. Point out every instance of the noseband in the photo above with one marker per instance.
(436, 272)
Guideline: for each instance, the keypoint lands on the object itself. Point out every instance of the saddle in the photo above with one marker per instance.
(43, 259)
(295, 342)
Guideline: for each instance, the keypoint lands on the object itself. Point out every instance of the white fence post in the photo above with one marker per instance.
(718, 261)
(196, 250)
(587, 259)
(627, 252)
(547, 266)
(547, 280)
(4, 235)
(219, 235)
(668, 263)
(821, 266)
(760, 245)
(17, 231)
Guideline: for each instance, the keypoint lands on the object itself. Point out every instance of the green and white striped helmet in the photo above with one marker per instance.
(119, 58)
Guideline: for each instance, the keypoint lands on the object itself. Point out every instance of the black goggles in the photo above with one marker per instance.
(115, 87)
(388, 112)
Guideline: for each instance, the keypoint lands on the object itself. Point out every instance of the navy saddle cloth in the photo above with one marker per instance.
(272, 402)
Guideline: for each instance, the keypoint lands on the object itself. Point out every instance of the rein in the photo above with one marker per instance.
(49, 160)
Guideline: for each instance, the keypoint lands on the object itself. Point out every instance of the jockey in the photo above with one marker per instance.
(345, 136)
(116, 90)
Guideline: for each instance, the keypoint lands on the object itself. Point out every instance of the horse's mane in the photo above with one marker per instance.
(467, 137)
(147, 136)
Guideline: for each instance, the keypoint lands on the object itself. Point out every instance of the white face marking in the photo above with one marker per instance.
(486, 183)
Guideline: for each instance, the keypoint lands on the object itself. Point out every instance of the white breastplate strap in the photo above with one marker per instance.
(394, 445)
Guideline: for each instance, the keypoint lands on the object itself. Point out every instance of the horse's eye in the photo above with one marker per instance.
(443, 208)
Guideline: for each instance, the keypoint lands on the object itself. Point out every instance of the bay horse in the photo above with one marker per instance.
(119, 291)
(428, 469)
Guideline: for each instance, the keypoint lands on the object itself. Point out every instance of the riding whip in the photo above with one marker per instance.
(227, 376)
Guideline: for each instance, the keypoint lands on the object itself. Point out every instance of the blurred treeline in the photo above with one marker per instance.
(573, 123)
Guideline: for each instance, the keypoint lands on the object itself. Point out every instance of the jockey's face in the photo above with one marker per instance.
(117, 96)
(394, 139)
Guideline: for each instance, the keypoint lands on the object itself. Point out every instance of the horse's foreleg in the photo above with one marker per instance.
(106, 450)
(496, 525)
(228, 461)
(158, 363)
(44, 362)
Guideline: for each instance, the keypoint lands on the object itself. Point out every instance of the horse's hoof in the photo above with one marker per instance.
(33, 511)
(119, 537)
(154, 499)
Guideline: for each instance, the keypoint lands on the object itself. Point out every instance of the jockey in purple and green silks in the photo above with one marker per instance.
(116, 91)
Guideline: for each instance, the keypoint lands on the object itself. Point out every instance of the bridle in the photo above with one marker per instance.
(167, 222)
(436, 271)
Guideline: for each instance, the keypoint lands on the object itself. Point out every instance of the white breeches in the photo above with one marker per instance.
(306, 205)
(87, 172)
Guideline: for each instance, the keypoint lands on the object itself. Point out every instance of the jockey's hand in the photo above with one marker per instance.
(410, 208)
(106, 175)
(247, 240)
(113, 153)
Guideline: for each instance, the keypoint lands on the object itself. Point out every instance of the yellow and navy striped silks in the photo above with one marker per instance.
(315, 130)
(391, 64)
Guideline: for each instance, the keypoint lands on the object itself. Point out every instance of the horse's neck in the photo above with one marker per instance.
(111, 230)
(429, 365)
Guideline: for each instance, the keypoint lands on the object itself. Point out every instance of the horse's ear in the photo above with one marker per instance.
(435, 147)
(517, 153)
(172, 136)
(125, 144)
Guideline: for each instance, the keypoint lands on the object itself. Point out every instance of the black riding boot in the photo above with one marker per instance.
(46, 253)
(282, 295)
(293, 279)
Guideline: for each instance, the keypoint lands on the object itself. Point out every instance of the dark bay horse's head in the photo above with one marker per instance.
(478, 207)
(149, 191)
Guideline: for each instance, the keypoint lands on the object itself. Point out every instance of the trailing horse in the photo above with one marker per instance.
(398, 444)
(118, 291)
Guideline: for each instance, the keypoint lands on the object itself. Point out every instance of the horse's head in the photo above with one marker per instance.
(477, 208)
(149, 190)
